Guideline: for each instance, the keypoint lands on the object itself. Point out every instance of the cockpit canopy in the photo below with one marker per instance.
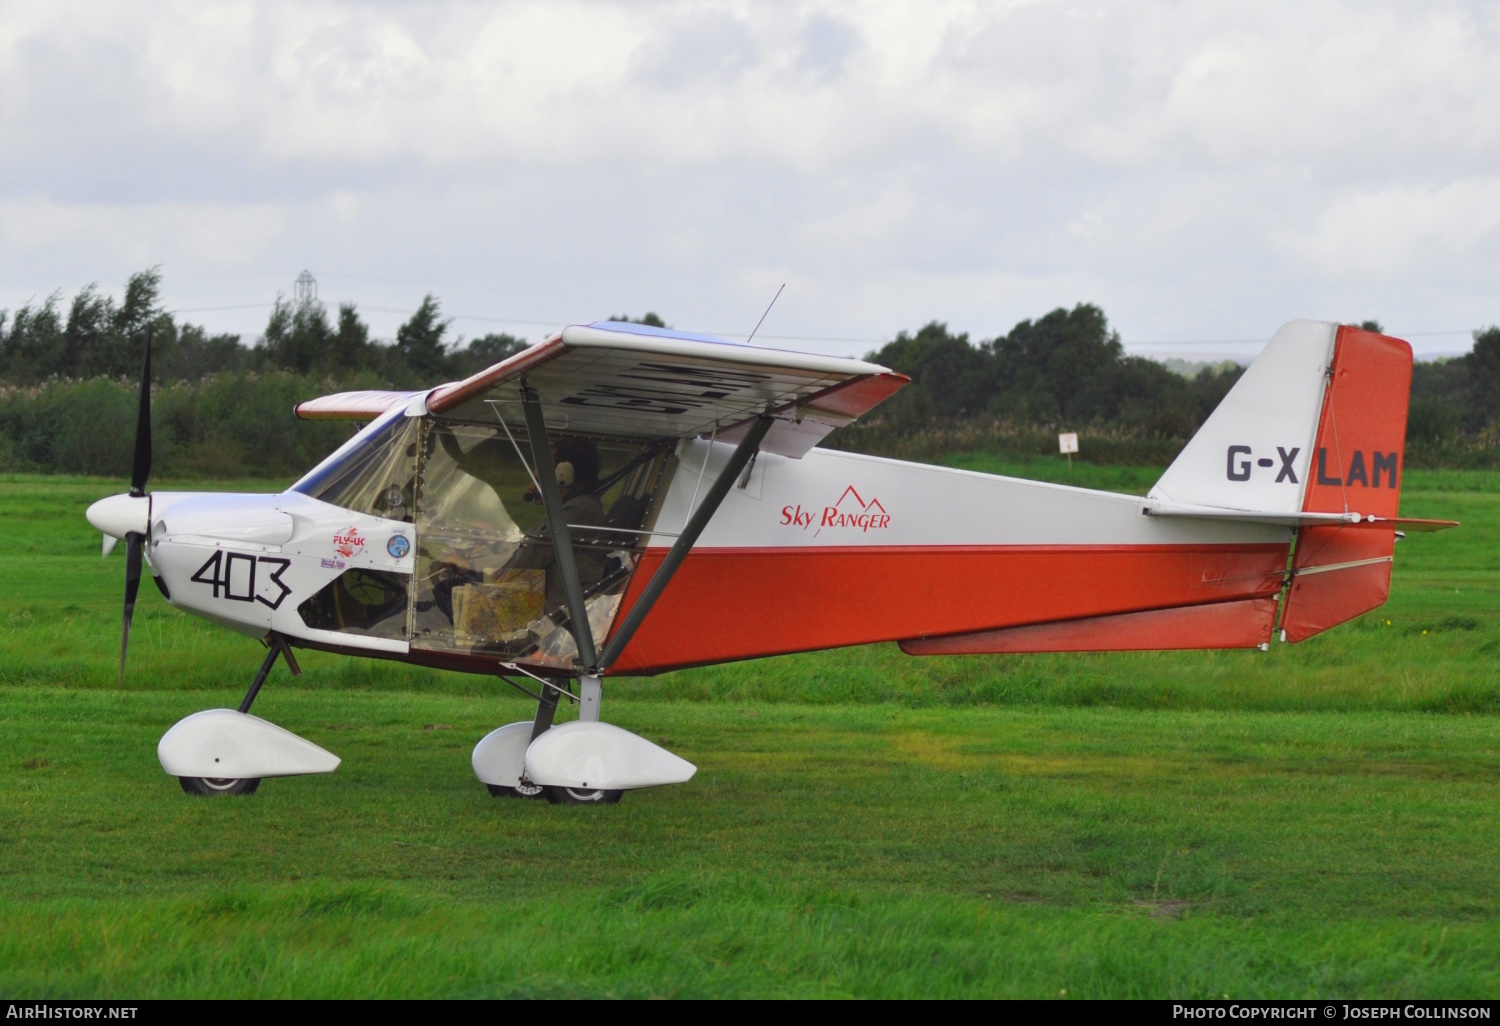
(486, 578)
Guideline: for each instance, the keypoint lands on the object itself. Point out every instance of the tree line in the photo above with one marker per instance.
(1457, 397)
(1066, 370)
(95, 336)
(222, 408)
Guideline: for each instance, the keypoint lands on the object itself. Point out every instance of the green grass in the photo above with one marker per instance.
(873, 851)
(1320, 820)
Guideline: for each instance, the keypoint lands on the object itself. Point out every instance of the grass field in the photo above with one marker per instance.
(1316, 820)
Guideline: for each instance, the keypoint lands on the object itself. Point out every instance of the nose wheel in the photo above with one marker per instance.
(581, 796)
(519, 791)
(219, 785)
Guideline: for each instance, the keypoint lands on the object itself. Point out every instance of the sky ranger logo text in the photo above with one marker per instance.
(851, 512)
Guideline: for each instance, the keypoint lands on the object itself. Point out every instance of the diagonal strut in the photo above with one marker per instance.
(562, 545)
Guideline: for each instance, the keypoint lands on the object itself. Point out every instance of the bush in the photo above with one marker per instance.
(228, 425)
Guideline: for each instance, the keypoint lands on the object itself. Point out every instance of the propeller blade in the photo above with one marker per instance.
(132, 588)
(110, 541)
(140, 469)
(140, 473)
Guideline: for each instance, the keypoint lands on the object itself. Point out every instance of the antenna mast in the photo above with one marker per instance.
(762, 316)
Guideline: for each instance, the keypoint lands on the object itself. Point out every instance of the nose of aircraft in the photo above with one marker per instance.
(120, 515)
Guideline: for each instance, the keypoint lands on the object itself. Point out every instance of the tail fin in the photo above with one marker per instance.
(1311, 436)
(1254, 451)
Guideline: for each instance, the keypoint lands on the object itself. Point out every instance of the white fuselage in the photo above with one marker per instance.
(248, 561)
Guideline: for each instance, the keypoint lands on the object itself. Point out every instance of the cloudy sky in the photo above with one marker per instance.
(1203, 171)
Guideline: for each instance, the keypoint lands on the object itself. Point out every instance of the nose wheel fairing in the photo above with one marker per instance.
(225, 744)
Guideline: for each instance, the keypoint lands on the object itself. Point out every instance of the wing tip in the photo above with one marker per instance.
(360, 405)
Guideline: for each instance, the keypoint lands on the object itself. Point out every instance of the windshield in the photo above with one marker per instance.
(373, 472)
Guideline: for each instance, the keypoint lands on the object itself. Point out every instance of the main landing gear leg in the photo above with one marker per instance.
(546, 709)
(590, 696)
(567, 761)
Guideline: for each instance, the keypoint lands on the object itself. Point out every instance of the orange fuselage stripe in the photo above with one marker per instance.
(741, 603)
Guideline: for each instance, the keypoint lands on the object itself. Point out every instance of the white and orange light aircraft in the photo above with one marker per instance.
(622, 500)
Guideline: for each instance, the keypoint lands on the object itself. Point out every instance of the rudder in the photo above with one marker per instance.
(1356, 464)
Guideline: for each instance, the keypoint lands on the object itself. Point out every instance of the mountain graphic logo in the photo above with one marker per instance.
(865, 507)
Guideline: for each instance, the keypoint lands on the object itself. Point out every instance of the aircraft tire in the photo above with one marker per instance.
(529, 791)
(210, 786)
(579, 796)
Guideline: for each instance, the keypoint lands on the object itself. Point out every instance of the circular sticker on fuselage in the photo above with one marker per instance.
(398, 546)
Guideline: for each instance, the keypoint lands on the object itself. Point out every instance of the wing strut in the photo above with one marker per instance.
(557, 524)
(747, 448)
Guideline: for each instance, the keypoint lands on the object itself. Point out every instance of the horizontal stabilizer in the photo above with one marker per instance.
(1420, 526)
(1299, 519)
(1250, 516)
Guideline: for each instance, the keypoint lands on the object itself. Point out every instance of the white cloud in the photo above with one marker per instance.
(1396, 232)
(212, 234)
(1202, 170)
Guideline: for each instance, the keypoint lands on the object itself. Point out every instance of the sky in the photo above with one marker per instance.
(1202, 171)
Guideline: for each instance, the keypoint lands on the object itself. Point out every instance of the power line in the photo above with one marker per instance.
(1263, 341)
(846, 339)
(208, 309)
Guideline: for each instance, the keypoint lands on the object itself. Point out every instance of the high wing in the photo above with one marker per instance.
(617, 379)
